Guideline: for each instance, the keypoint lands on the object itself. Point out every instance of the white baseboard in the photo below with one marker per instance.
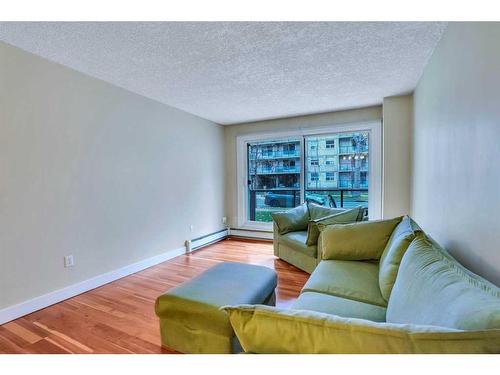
(24, 308)
(260, 235)
(13, 312)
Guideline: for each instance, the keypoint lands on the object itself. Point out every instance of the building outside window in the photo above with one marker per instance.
(331, 176)
(267, 150)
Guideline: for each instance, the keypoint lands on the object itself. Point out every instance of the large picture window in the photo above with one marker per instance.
(330, 168)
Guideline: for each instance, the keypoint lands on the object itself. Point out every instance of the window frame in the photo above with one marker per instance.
(327, 144)
(374, 166)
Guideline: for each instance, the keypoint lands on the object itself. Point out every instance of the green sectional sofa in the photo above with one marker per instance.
(296, 233)
(378, 287)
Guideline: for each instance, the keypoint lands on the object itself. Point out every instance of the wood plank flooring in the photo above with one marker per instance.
(119, 317)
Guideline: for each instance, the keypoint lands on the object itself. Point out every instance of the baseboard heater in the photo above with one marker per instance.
(199, 242)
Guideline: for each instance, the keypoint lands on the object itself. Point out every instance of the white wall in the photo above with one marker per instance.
(397, 136)
(456, 167)
(292, 123)
(92, 170)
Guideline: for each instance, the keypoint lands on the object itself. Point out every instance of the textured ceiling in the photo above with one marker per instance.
(239, 72)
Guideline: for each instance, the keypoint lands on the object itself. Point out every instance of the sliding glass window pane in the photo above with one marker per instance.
(336, 169)
(273, 177)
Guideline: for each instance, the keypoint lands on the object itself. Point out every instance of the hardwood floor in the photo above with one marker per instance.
(119, 317)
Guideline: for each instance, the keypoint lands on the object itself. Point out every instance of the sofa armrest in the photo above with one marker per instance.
(276, 238)
(263, 329)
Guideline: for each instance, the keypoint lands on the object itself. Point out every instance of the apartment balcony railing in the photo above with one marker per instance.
(352, 149)
(276, 155)
(350, 168)
(350, 185)
(340, 198)
(264, 201)
(346, 168)
(277, 170)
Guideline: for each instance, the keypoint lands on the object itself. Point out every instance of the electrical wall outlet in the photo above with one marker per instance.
(69, 261)
(191, 228)
(224, 220)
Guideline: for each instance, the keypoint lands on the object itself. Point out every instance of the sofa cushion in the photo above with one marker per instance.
(433, 288)
(292, 220)
(263, 329)
(317, 212)
(344, 217)
(297, 241)
(348, 308)
(348, 279)
(363, 240)
(390, 259)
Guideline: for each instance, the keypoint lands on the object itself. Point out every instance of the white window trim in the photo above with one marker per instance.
(375, 168)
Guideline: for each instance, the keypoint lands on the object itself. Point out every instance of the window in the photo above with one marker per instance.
(289, 148)
(280, 171)
(267, 150)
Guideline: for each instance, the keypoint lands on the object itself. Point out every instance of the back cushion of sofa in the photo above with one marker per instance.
(317, 212)
(390, 260)
(363, 240)
(432, 288)
(292, 220)
(344, 217)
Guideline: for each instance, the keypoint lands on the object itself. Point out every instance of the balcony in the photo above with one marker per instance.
(276, 170)
(352, 150)
(348, 184)
(276, 155)
(350, 168)
(346, 168)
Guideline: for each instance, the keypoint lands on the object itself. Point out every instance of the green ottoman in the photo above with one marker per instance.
(190, 317)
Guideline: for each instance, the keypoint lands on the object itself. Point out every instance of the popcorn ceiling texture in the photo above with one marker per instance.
(230, 72)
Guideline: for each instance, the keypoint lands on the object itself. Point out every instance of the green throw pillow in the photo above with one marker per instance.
(364, 240)
(343, 217)
(401, 238)
(292, 220)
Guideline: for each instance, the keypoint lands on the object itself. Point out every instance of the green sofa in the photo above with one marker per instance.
(291, 231)
(380, 287)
